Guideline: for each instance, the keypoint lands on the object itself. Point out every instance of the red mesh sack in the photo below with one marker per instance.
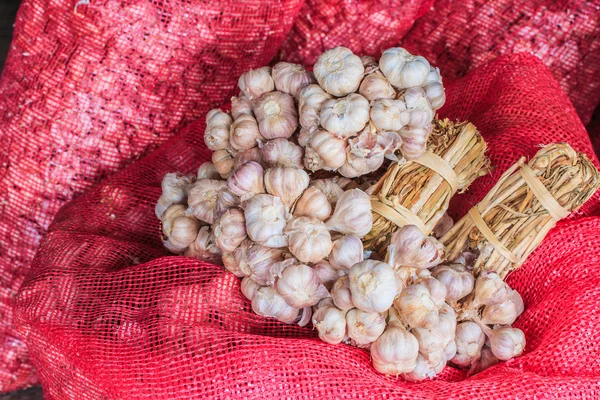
(458, 36)
(88, 88)
(107, 313)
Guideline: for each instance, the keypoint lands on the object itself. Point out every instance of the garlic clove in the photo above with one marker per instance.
(402, 69)
(420, 111)
(255, 82)
(373, 286)
(504, 313)
(458, 280)
(223, 162)
(287, 183)
(291, 78)
(204, 247)
(268, 303)
(243, 133)
(244, 156)
(330, 149)
(174, 191)
(395, 351)
(375, 87)
(266, 217)
(426, 367)
(327, 274)
(308, 239)
(447, 323)
(339, 71)
(352, 214)
(249, 288)
(310, 101)
(216, 134)
(241, 106)
(208, 199)
(341, 295)
(247, 181)
(346, 116)
(410, 247)
(313, 203)
(346, 251)
(330, 322)
(366, 152)
(276, 115)
(506, 343)
(230, 230)
(258, 261)
(300, 286)
(389, 115)
(282, 153)
(180, 231)
(450, 350)
(417, 307)
(332, 188)
(469, 341)
(364, 327)
(208, 171)
(437, 290)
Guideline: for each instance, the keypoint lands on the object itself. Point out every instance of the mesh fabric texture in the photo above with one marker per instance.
(458, 36)
(106, 313)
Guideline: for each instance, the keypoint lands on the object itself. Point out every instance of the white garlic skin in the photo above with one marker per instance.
(327, 274)
(450, 350)
(282, 153)
(346, 116)
(417, 307)
(313, 203)
(304, 136)
(395, 351)
(291, 78)
(504, 313)
(180, 230)
(232, 265)
(373, 286)
(258, 260)
(268, 303)
(364, 153)
(244, 156)
(389, 115)
(276, 115)
(434, 89)
(426, 367)
(339, 71)
(243, 133)
(255, 82)
(364, 327)
(447, 323)
(249, 288)
(312, 160)
(341, 295)
(330, 149)
(223, 162)
(352, 214)
(208, 199)
(507, 342)
(204, 247)
(517, 300)
(430, 340)
(287, 183)
(330, 322)
(266, 218)
(469, 341)
(346, 251)
(247, 181)
(458, 280)
(230, 230)
(414, 141)
(420, 111)
(207, 171)
(216, 134)
(310, 101)
(174, 191)
(437, 290)
(490, 289)
(241, 106)
(300, 286)
(410, 247)
(375, 87)
(402, 69)
(308, 239)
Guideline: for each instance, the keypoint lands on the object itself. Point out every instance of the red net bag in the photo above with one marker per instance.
(106, 313)
(458, 36)
(88, 88)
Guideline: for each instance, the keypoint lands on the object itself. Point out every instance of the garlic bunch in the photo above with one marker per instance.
(402, 69)
(469, 341)
(346, 116)
(364, 327)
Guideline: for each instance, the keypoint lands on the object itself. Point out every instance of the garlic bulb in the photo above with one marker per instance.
(291, 78)
(469, 341)
(276, 115)
(366, 152)
(504, 313)
(330, 323)
(268, 303)
(313, 203)
(327, 274)
(430, 340)
(258, 261)
(310, 101)
(346, 251)
(375, 87)
(312, 160)
(249, 288)
(255, 82)
(414, 141)
(223, 162)
(208, 199)
(287, 183)
(395, 351)
(330, 149)
(341, 295)
(204, 247)
(216, 134)
(308, 238)
(244, 133)
(282, 153)
(443, 225)
(304, 136)
(402, 69)
(487, 360)
(174, 191)
(410, 247)
(388, 114)
(490, 289)
(339, 71)
(458, 280)
(232, 265)
(417, 307)
(300, 286)
(230, 230)
(247, 181)
(364, 327)
(244, 156)
(241, 106)
(447, 323)
(179, 230)
(434, 89)
(208, 171)
(426, 367)
(332, 188)
(266, 218)
(437, 290)
(507, 342)
(369, 63)
(352, 214)
(346, 116)
(373, 286)
(420, 111)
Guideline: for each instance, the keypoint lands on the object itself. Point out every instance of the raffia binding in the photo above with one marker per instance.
(441, 166)
(489, 235)
(398, 214)
(555, 210)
